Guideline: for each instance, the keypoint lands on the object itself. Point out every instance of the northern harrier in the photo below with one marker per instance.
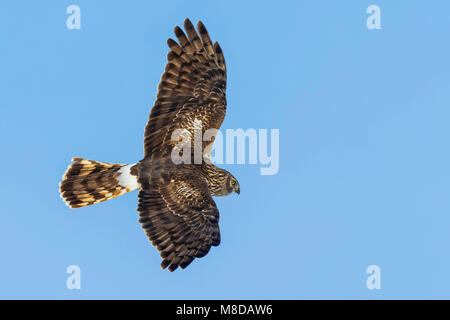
(175, 206)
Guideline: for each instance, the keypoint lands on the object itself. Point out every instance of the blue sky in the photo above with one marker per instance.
(364, 158)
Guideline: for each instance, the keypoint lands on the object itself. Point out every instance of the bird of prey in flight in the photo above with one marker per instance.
(175, 201)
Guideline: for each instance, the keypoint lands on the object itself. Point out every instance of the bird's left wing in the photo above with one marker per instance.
(191, 92)
(179, 217)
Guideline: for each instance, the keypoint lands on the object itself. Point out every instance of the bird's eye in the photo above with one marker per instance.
(233, 182)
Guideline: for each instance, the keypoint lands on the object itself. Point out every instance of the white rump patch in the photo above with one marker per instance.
(126, 179)
(197, 124)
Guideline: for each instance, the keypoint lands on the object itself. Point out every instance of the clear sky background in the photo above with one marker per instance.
(364, 148)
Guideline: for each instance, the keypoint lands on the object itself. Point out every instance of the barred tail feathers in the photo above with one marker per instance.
(88, 182)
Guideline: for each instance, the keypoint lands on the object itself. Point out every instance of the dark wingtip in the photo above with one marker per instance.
(186, 261)
(200, 25)
(217, 48)
(173, 267)
(171, 42)
(188, 23)
(178, 31)
(164, 264)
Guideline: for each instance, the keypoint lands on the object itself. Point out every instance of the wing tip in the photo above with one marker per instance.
(178, 31)
(188, 24)
(168, 263)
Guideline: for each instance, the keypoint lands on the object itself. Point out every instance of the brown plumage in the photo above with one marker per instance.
(192, 86)
(175, 206)
(89, 182)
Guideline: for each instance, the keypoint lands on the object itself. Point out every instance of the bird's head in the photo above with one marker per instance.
(221, 182)
(233, 184)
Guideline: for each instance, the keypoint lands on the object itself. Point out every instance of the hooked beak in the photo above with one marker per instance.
(237, 189)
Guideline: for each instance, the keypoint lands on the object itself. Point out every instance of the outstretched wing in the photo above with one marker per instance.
(180, 218)
(191, 90)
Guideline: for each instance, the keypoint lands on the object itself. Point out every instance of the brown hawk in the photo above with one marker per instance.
(176, 206)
